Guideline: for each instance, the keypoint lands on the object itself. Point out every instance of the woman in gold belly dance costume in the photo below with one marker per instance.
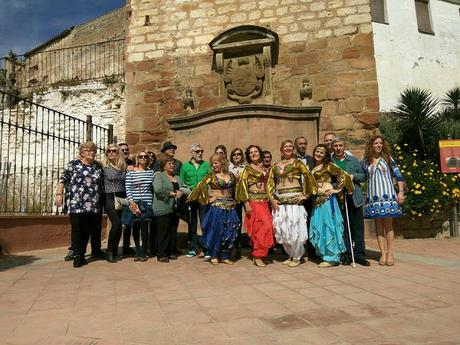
(289, 184)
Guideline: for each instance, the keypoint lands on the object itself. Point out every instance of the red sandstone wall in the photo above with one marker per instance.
(330, 41)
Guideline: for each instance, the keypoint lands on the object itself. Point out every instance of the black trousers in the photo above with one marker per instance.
(115, 220)
(239, 212)
(141, 233)
(309, 249)
(126, 238)
(195, 210)
(83, 226)
(166, 235)
(357, 229)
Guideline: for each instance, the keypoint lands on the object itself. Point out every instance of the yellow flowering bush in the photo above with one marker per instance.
(429, 190)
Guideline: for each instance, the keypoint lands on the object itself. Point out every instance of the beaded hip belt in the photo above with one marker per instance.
(258, 196)
(288, 198)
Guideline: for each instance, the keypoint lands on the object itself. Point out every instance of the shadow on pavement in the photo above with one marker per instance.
(12, 261)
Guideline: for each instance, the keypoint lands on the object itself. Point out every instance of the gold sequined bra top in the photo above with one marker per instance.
(296, 171)
(252, 177)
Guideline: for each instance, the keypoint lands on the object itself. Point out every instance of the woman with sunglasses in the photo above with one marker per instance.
(220, 221)
(252, 191)
(139, 192)
(115, 194)
(289, 184)
(236, 168)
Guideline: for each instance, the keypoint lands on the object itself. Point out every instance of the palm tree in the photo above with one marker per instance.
(416, 111)
(450, 115)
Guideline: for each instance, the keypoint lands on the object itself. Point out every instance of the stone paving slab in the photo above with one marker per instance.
(44, 300)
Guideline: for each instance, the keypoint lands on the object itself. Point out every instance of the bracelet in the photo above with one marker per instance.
(58, 194)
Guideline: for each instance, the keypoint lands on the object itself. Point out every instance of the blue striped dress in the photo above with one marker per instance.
(139, 186)
(381, 200)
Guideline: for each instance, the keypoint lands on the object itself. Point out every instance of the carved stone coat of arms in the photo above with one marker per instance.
(244, 79)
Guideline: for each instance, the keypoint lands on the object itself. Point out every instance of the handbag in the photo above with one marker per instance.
(181, 208)
(119, 203)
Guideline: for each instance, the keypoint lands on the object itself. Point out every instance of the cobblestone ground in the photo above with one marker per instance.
(43, 300)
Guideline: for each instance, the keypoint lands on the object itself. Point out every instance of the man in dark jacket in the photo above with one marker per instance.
(351, 165)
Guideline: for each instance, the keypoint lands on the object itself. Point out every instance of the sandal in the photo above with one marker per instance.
(259, 263)
(390, 260)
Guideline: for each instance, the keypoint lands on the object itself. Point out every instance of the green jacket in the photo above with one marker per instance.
(353, 167)
(163, 203)
(191, 175)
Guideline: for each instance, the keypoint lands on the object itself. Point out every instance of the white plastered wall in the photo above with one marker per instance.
(406, 57)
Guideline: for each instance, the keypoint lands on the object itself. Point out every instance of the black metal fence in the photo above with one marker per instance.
(75, 64)
(36, 145)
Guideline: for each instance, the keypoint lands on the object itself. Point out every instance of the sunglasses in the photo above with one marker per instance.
(143, 156)
(237, 154)
(198, 151)
(125, 150)
(112, 151)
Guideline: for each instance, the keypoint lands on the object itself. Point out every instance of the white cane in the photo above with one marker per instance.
(349, 233)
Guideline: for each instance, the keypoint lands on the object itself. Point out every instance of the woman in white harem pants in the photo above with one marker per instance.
(289, 184)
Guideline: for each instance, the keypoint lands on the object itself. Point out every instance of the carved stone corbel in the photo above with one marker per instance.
(220, 63)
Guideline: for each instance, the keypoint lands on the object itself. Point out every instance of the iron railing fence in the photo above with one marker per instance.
(70, 65)
(36, 144)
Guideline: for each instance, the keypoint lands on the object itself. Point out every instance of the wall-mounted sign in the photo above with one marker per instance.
(449, 154)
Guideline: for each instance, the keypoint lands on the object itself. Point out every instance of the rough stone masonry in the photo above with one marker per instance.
(328, 41)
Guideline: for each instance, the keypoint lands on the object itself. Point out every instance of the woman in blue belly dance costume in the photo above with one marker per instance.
(220, 223)
(382, 202)
(326, 225)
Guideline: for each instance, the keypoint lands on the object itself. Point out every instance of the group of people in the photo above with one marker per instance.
(306, 204)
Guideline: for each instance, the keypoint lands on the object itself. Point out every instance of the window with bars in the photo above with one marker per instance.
(422, 10)
(378, 11)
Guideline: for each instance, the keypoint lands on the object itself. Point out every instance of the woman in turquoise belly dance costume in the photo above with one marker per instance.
(382, 202)
(220, 222)
(326, 225)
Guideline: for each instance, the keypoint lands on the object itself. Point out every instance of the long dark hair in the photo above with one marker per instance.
(368, 151)
(327, 158)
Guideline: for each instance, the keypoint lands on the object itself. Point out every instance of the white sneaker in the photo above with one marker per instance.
(207, 257)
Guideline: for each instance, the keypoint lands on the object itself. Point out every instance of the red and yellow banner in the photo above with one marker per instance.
(449, 154)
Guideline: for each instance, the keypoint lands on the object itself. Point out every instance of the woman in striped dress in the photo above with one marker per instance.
(382, 202)
(139, 192)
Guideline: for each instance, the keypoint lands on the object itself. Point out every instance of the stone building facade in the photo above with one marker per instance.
(185, 59)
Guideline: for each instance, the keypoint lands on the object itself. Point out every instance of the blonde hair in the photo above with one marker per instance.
(137, 158)
(87, 145)
(120, 163)
(221, 159)
(283, 143)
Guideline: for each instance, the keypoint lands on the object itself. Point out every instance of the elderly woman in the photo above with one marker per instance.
(139, 192)
(382, 202)
(220, 223)
(236, 168)
(169, 190)
(326, 223)
(115, 196)
(289, 184)
(83, 179)
(252, 191)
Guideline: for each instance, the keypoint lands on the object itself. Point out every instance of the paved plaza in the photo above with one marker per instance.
(44, 300)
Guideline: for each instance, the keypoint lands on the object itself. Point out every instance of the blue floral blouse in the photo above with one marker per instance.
(83, 186)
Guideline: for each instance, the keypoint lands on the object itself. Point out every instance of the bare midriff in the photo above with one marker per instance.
(288, 184)
(220, 193)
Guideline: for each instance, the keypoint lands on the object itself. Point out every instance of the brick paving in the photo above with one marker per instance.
(43, 300)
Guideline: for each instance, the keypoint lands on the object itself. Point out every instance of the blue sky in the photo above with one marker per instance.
(25, 24)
